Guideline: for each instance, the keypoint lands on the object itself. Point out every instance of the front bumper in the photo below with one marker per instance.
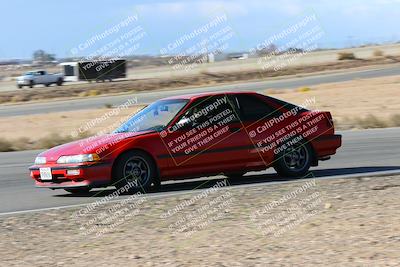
(85, 176)
(23, 82)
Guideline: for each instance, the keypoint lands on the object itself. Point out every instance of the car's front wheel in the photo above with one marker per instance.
(135, 171)
(294, 161)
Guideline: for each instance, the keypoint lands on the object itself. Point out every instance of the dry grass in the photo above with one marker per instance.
(346, 56)
(357, 104)
(303, 89)
(395, 120)
(5, 145)
(55, 139)
(369, 121)
(378, 53)
(43, 134)
(351, 222)
(92, 92)
(201, 79)
(24, 143)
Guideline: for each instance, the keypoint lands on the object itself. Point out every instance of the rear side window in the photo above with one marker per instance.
(286, 105)
(253, 108)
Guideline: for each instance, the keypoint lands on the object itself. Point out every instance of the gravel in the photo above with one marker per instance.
(338, 222)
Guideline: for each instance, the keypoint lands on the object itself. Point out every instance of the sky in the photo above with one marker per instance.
(59, 27)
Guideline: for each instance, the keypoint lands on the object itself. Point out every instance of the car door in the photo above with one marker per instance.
(40, 77)
(208, 138)
(262, 124)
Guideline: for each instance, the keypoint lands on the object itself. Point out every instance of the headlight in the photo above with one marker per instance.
(40, 160)
(78, 158)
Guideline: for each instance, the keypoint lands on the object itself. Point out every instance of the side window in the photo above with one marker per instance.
(212, 110)
(253, 108)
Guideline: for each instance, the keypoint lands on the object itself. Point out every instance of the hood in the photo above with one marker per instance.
(87, 145)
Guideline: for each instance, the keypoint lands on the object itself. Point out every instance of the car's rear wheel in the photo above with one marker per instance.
(294, 161)
(20, 86)
(78, 190)
(234, 175)
(60, 82)
(31, 84)
(135, 171)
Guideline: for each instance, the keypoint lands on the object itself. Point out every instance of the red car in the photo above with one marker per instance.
(188, 136)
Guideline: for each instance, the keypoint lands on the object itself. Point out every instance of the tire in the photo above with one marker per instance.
(20, 86)
(135, 171)
(78, 191)
(31, 84)
(47, 84)
(234, 175)
(294, 161)
(60, 82)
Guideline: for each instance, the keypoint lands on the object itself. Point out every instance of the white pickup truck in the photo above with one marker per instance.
(39, 77)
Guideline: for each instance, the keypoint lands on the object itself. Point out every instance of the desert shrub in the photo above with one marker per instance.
(5, 145)
(303, 89)
(343, 124)
(370, 121)
(378, 53)
(271, 91)
(19, 98)
(51, 140)
(346, 56)
(82, 94)
(22, 143)
(395, 120)
(93, 92)
(4, 99)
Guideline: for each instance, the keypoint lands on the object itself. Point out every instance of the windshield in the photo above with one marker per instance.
(153, 117)
(29, 73)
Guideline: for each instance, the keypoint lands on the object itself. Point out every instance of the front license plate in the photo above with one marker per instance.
(45, 174)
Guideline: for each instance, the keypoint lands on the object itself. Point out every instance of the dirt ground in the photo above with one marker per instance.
(203, 78)
(348, 101)
(351, 100)
(338, 222)
(68, 123)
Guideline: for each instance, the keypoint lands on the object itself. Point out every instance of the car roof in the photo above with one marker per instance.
(200, 95)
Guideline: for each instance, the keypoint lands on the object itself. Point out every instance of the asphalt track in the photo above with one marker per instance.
(148, 97)
(363, 153)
